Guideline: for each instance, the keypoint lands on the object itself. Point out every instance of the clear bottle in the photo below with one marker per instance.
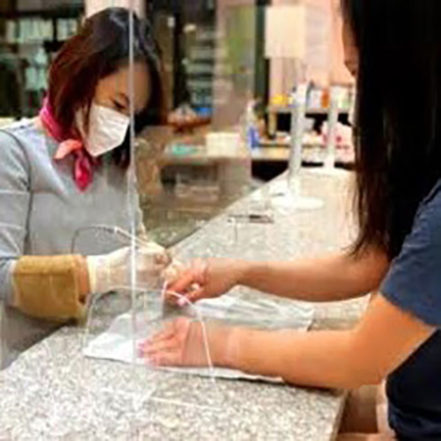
(251, 126)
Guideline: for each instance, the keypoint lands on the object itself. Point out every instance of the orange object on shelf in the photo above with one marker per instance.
(326, 99)
(186, 125)
(185, 119)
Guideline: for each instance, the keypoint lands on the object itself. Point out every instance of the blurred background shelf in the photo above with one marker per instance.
(31, 33)
(309, 111)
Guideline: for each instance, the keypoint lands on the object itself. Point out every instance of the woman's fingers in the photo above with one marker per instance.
(166, 333)
(174, 298)
(170, 298)
(163, 259)
(168, 345)
(183, 300)
(179, 344)
(169, 330)
(195, 275)
(196, 295)
(184, 282)
(158, 347)
(171, 273)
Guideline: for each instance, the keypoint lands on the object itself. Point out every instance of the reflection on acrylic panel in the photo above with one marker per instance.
(206, 164)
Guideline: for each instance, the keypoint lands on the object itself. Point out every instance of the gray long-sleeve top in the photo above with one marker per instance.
(41, 208)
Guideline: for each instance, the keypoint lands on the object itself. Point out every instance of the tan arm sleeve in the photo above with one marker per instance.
(54, 287)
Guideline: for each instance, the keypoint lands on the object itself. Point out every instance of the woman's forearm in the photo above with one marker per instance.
(335, 277)
(315, 359)
(383, 339)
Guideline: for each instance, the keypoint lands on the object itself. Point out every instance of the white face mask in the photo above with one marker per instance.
(107, 129)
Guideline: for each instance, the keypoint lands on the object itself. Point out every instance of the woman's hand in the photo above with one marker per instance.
(182, 343)
(113, 271)
(204, 279)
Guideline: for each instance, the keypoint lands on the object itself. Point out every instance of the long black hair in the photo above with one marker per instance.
(98, 50)
(398, 119)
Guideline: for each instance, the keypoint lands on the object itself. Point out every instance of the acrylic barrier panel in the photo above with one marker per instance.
(151, 337)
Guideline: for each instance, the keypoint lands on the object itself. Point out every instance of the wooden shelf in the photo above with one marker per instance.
(57, 12)
(290, 109)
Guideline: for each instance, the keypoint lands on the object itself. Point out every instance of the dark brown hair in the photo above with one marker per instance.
(99, 49)
(398, 119)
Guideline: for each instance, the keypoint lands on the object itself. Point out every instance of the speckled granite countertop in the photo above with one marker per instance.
(51, 392)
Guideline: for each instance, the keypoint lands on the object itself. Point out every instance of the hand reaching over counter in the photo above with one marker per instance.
(202, 279)
(58, 287)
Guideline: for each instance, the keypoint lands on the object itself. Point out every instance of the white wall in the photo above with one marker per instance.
(333, 70)
(93, 6)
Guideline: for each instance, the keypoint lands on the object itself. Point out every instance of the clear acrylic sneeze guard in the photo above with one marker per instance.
(118, 322)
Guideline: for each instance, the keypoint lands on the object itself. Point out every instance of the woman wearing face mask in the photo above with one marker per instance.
(397, 253)
(67, 170)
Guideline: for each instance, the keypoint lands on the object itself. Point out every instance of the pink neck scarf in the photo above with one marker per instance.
(69, 144)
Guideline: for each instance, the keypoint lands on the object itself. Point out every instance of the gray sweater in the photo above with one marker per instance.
(40, 210)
